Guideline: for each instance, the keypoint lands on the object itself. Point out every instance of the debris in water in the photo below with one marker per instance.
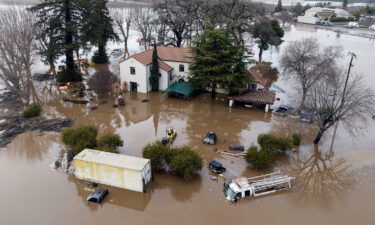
(145, 100)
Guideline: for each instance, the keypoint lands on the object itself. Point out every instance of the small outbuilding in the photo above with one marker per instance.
(254, 97)
(113, 169)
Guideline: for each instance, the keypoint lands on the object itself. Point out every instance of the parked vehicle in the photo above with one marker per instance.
(97, 196)
(352, 25)
(283, 110)
(372, 27)
(327, 24)
(256, 186)
(306, 116)
(237, 148)
(170, 136)
(210, 138)
(216, 167)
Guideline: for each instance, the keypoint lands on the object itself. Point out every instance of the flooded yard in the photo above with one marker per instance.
(334, 186)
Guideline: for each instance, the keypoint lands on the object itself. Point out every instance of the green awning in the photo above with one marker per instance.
(184, 88)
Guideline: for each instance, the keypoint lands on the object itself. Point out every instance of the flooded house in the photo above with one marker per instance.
(174, 63)
(118, 170)
(257, 93)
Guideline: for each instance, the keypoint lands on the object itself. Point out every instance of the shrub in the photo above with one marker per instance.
(32, 110)
(69, 76)
(181, 161)
(79, 138)
(296, 139)
(185, 162)
(259, 158)
(270, 141)
(109, 142)
(158, 154)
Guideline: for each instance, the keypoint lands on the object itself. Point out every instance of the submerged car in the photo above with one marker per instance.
(306, 116)
(283, 110)
(216, 167)
(97, 196)
(210, 138)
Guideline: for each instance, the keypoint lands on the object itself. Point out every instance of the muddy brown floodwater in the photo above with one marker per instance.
(332, 186)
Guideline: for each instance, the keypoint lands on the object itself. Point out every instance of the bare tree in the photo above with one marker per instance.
(17, 51)
(143, 23)
(307, 62)
(341, 98)
(285, 16)
(179, 17)
(122, 20)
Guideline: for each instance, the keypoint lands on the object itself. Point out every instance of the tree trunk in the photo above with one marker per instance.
(102, 54)
(68, 38)
(260, 54)
(213, 91)
(319, 136)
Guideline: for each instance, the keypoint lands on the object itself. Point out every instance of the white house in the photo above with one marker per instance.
(173, 62)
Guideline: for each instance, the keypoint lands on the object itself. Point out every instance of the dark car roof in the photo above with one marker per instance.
(216, 163)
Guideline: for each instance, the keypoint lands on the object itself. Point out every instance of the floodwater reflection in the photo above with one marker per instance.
(318, 174)
(120, 197)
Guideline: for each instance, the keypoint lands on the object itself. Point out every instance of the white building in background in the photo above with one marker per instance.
(174, 63)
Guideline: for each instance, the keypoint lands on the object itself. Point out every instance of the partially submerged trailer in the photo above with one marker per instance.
(256, 186)
(112, 169)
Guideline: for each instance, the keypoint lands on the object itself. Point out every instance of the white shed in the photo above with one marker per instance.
(113, 169)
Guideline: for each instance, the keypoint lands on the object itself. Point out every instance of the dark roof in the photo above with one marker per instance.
(174, 54)
(184, 88)
(258, 77)
(255, 96)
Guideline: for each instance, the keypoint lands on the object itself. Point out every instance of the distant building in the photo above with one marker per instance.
(317, 15)
(174, 63)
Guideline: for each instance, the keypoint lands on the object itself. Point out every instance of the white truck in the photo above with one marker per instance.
(308, 19)
(256, 186)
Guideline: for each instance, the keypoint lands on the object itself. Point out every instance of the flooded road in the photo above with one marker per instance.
(334, 186)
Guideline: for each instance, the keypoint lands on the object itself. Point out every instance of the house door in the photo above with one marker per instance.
(133, 86)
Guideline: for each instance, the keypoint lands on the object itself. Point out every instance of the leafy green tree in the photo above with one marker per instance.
(186, 162)
(98, 28)
(109, 142)
(60, 20)
(158, 154)
(79, 138)
(181, 161)
(155, 75)
(218, 60)
(279, 6)
(267, 33)
(259, 158)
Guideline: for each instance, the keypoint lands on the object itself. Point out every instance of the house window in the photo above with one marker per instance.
(132, 70)
(182, 68)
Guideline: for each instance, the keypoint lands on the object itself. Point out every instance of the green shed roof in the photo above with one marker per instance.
(184, 88)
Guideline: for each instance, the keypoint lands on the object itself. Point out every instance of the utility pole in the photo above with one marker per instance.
(352, 56)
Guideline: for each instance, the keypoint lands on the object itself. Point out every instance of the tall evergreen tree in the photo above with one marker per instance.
(345, 4)
(279, 6)
(60, 20)
(218, 60)
(98, 28)
(155, 75)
